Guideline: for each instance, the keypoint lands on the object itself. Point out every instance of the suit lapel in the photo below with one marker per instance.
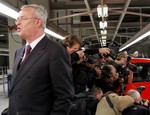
(18, 57)
(32, 58)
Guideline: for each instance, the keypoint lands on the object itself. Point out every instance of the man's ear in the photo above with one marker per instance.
(38, 22)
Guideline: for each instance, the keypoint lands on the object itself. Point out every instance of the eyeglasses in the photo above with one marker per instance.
(23, 18)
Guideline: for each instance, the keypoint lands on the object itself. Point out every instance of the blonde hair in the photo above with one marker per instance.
(122, 55)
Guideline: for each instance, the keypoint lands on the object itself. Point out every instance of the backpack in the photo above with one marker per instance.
(84, 104)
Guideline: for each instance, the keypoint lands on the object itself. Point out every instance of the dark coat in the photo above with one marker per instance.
(43, 85)
(137, 109)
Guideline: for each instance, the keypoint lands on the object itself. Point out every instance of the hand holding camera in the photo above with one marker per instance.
(145, 102)
(104, 51)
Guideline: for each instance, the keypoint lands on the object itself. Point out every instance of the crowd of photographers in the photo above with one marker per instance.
(99, 68)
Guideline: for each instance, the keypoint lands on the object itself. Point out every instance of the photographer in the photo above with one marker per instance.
(137, 97)
(72, 43)
(140, 106)
(125, 69)
(108, 76)
(85, 73)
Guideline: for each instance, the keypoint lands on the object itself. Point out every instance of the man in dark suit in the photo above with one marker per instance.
(41, 83)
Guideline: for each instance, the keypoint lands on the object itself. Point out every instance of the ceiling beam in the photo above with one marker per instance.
(121, 18)
(141, 32)
(94, 10)
(92, 20)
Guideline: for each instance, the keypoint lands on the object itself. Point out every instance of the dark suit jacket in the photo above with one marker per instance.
(43, 84)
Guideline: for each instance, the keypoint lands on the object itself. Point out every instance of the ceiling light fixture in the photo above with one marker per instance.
(103, 24)
(103, 32)
(54, 34)
(104, 42)
(8, 11)
(4, 9)
(102, 11)
(136, 38)
(1, 35)
(104, 37)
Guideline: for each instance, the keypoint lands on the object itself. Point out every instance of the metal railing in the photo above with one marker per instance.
(4, 79)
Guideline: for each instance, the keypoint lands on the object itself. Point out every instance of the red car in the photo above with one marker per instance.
(141, 81)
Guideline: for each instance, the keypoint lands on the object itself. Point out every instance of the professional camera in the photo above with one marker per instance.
(90, 59)
(132, 67)
(111, 54)
(140, 89)
(123, 72)
(85, 42)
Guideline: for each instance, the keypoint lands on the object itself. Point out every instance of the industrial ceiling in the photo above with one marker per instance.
(79, 17)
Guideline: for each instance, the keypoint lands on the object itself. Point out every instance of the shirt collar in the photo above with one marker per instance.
(35, 42)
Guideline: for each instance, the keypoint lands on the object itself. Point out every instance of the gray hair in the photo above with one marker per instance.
(134, 94)
(40, 12)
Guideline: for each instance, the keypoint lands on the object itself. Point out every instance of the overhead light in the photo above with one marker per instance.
(102, 11)
(8, 11)
(4, 9)
(103, 32)
(1, 35)
(139, 36)
(103, 37)
(135, 41)
(104, 42)
(103, 24)
(54, 34)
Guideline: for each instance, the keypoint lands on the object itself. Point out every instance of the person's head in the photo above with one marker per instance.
(109, 72)
(31, 21)
(136, 53)
(122, 56)
(97, 91)
(135, 95)
(72, 43)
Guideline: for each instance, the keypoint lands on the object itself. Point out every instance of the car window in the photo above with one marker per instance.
(142, 73)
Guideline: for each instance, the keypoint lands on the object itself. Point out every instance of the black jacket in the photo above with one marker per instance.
(137, 109)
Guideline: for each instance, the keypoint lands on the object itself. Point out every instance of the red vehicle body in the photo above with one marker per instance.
(142, 85)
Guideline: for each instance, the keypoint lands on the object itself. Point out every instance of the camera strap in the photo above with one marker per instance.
(110, 104)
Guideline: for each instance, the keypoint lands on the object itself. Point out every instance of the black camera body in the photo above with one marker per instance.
(90, 59)
(123, 72)
(131, 66)
(111, 54)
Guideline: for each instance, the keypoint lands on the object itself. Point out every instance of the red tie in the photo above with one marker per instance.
(27, 51)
